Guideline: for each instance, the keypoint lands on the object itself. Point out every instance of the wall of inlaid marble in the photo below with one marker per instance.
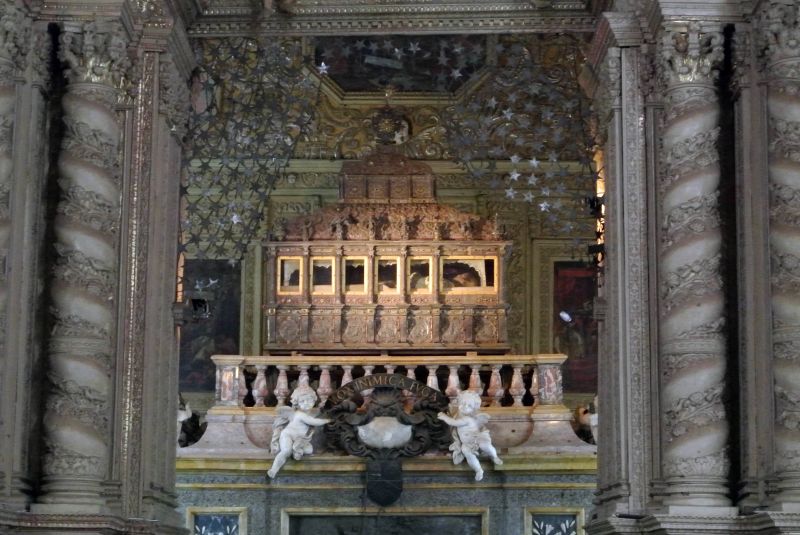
(501, 503)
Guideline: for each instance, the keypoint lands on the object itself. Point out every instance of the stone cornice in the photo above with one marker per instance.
(230, 18)
(710, 10)
(420, 25)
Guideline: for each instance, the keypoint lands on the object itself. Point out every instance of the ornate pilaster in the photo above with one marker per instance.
(77, 419)
(15, 28)
(780, 41)
(14, 34)
(692, 344)
(625, 440)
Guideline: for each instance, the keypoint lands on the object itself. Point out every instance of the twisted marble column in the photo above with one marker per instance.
(692, 345)
(781, 34)
(77, 421)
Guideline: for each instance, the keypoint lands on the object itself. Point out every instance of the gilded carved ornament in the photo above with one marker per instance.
(691, 54)
(97, 53)
(174, 97)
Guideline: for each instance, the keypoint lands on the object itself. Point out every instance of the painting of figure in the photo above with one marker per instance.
(468, 273)
(217, 282)
(574, 326)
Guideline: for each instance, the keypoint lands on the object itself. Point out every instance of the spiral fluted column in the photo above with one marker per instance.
(77, 420)
(692, 345)
(781, 40)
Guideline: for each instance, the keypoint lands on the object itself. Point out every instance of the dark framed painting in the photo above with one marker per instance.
(214, 330)
(574, 325)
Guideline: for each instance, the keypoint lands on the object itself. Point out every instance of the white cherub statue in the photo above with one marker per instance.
(470, 436)
(293, 428)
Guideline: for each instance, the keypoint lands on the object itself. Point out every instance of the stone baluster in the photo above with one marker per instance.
(432, 381)
(241, 386)
(780, 39)
(453, 384)
(390, 368)
(77, 421)
(282, 385)
(368, 369)
(495, 390)
(475, 379)
(259, 385)
(303, 378)
(517, 387)
(535, 385)
(692, 345)
(347, 376)
(411, 372)
(325, 389)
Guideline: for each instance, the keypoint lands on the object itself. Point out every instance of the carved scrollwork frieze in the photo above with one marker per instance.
(67, 325)
(785, 272)
(691, 281)
(787, 408)
(89, 274)
(690, 218)
(696, 410)
(68, 399)
(6, 128)
(674, 363)
(785, 138)
(88, 208)
(59, 459)
(696, 152)
(713, 464)
(90, 144)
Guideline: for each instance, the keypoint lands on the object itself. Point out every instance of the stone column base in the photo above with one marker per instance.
(233, 433)
(81, 524)
(552, 432)
(714, 522)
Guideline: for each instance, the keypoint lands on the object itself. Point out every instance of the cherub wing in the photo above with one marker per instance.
(281, 420)
(455, 447)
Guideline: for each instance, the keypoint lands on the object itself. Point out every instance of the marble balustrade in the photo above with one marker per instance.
(522, 393)
(264, 381)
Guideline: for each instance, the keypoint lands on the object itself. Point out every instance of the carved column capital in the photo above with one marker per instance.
(96, 52)
(690, 53)
(15, 29)
(779, 31)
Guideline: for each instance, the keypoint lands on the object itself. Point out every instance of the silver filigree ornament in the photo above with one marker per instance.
(251, 101)
(530, 112)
